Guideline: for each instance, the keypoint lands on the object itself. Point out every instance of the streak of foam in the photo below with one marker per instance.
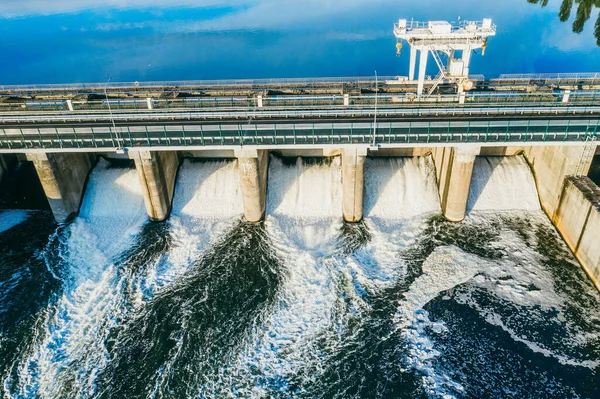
(12, 218)
(207, 202)
(508, 279)
(67, 357)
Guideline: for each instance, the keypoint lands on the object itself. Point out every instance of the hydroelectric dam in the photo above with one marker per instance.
(419, 236)
(551, 121)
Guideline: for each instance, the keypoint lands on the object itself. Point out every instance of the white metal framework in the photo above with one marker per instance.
(443, 37)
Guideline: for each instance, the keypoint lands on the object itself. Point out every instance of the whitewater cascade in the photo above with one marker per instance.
(70, 351)
(502, 184)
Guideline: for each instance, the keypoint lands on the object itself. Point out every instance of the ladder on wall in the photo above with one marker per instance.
(587, 154)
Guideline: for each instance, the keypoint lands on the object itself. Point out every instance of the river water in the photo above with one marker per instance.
(204, 305)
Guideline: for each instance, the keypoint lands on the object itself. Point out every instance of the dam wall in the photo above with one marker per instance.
(577, 218)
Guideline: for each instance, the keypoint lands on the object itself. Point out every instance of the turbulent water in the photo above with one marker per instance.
(303, 305)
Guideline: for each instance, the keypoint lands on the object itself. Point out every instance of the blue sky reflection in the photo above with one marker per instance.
(66, 41)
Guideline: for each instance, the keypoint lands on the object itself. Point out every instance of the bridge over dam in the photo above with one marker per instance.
(551, 120)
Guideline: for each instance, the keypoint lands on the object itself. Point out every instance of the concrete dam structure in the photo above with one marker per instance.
(550, 120)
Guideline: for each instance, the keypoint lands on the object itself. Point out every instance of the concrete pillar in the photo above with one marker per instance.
(454, 169)
(259, 101)
(346, 99)
(422, 70)
(149, 103)
(413, 63)
(157, 172)
(353, 181)
(63, 177)
(566, 96)
(70, 105)
(253, 166)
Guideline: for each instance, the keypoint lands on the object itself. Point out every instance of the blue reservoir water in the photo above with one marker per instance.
(302, 305)
(84, 41)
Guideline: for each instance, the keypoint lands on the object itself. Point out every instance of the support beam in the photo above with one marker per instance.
(422, 70)
(63, 177)
(253, 166)
(353, 178)
(157, 172)
(413, 63)
(454, 170)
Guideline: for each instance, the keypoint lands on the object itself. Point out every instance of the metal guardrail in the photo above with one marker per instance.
(473, 99)
(550, 76)
(161, 116)
(318, 134)
(115, 86)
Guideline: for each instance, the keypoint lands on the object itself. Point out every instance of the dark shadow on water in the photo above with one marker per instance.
(20, 188)
(26, 285)
(197, 325)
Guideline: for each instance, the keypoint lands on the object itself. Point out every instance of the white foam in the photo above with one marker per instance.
(12, 218)
(77, 325)
(305, 190)
(502, 183)
(508, 279)
(207, 202)
(208, 190)
(400, 188)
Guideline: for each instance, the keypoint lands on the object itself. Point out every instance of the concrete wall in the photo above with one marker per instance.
(577, 218)
(63, 177)
(353, 181)
(254, 167)
(157, 172)
(550, 165)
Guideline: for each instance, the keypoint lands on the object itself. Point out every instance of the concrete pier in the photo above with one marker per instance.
(157, 172)
(253, 166)
(63, 177)
(454, 168)
(353, 178)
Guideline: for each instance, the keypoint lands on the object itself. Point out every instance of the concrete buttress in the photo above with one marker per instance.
(353, 179)
(63, 177)
(157, 171)
(253, 167)
(454, 168)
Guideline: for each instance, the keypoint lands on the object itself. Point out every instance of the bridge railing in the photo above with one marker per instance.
(494, 98)
(264, 134)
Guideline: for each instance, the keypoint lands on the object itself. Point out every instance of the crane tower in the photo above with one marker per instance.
(456, 40)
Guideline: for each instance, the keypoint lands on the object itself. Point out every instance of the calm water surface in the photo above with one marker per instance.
(63, 41)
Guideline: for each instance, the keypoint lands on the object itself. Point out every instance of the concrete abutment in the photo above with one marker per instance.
(63, 177)
(157, 172)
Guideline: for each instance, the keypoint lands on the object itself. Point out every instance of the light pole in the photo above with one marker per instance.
(375, 117)
(111, 115)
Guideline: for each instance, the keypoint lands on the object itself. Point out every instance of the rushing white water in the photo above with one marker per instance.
(207, 201)
(12, 218)
(400, 188)
(69, 351)
(502, 184)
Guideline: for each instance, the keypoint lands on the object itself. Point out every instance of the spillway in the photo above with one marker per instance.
(502, 184)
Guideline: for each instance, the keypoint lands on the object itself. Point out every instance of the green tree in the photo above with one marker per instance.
(585, 8)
